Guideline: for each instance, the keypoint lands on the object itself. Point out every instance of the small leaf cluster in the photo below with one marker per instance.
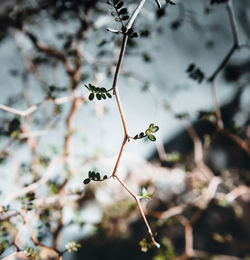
(207, 115)
(145, 194)
(4, 242)
(31, 252)
(27, 201)
(100, 93)
(120, 13)
(148, 133)
(195, 73)
(72, 246)
(94, 176)
(145, 245)
(172, 157)
(14, 127)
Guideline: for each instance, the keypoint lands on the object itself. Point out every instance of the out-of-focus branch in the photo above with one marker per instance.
(236, 192)
(235, 46)
(33, 108)
(49, 171)
(51, 52)
(69, 129)
(33, 237)
(22, 113)
(238, 140)
(224, 62)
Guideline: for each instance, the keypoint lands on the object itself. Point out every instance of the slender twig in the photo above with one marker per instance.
(33, 237)
(137, 199)
(34, 185)
(33, 108)
(219, 122)
(22, 113)
(243, 145)
(114, 86)
(224, 62)
(135, 13)
(116, 75)
(118, 101)
(158, 3)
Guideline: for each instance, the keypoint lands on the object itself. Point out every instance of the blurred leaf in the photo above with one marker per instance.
(91, 96)
(151, 138)
(86, 181)
(155, 129)
(72, 246)
(120, 5)
(124, 18)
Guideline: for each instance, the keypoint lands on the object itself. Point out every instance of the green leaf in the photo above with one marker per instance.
(120, 5)
(86, 181)
(151, 126)
(155, 129)
(124, 18)
(134, 35)
(123, 11)
(148, 132)
(144, 192)
(72, 245)
(136, 137)
(98, 96)
(109, 95)
(97, 176)
(151, 138)
(91, 96)
(141, 135)
(92, 175)
(103, 90)
(103, 96)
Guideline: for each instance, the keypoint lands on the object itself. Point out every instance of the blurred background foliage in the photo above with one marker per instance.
(194, 181)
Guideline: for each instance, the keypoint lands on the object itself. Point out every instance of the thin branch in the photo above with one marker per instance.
(118, 101)
(69, 128)
(116, 75)
(198, 150)
(137, 199)
(235, 37)
(219, 122)
(33, 108)
(33, 237)
(22, 113)
(135, 13)
(237, 192)
(233, 23)
(243, 145)
(158, 3)
(224, 62)
(51, 52)
(34, 185)
(114, 85)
